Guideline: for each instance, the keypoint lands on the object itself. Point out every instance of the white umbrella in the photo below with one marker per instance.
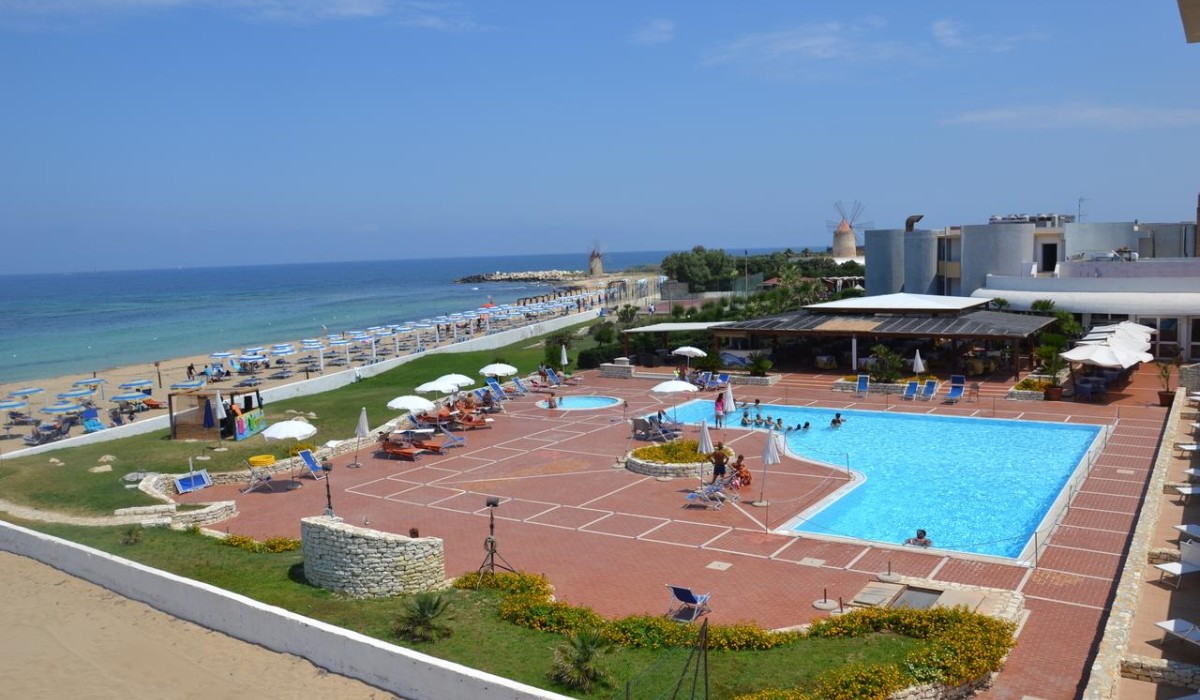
(689, 352)
(563, 359)
(1105, 355)
(498, 369)
(1126, 325)
(459, 380)
(412, 404)
(289, 430)
(770, 456)
(438, 386)
(918, 363)
(730, 406)
(674, 386)
(706, 443)
(362, 430)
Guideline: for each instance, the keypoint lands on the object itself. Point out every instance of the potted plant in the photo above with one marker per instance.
(1052, 365)
(1166, 396)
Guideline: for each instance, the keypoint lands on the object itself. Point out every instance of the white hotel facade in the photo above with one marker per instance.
(1102, 272)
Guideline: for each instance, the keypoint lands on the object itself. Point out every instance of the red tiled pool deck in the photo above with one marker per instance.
(611, 539)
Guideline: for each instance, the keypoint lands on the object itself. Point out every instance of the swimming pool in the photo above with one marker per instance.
(978, 485)
(582, 403)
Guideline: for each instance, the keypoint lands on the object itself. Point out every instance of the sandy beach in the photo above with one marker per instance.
(65, 637)
(174, 370)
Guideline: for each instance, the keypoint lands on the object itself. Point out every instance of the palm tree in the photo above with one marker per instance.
(577, 660)
(420, 621)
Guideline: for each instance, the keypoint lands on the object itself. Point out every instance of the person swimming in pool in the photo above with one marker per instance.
(837, 421)
(921, 540)
(746, 418)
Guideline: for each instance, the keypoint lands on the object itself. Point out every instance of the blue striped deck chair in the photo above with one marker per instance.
(498, 392)
(929, 390)
(522, 390)
(719, 382)
(552, 378)
(863, 387)
(192, 481)
(955, 393)
(910, 390)
(685, 605)
(309, 466)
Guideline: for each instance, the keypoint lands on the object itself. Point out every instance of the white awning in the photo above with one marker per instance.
(902, 301)
(1123, 303)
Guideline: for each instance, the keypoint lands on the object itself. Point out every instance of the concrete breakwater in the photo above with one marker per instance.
(529, 276)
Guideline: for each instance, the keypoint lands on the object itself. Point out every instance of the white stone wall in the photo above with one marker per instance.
(365, 563)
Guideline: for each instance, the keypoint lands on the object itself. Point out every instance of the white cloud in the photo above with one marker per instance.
(952, 34)
(1073, 116)
(440, 16)
(808, 46)
(653, 31)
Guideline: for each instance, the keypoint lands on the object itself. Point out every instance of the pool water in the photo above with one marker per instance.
(976, 485)
(582, 403)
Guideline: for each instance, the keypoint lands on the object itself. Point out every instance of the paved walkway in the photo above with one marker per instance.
(611, 539)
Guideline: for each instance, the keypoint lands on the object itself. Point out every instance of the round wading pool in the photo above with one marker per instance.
(582, 403)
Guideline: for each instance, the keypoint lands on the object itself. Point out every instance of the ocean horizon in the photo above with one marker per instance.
(83, 322)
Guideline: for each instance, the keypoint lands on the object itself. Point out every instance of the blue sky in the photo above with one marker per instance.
(150, 133)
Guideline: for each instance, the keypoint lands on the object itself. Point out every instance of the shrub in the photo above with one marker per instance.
(420, 621)
(132, 535)
(860, 682)
(577, 660)
(273, 545)
(759, 364)
(592, 358)
(1031, 384)
(674, 452)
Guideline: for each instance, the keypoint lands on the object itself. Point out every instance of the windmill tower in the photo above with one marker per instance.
(595, 261)
(845, 239)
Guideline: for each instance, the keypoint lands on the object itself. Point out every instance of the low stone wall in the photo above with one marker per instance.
(941, 692)
(1174, 673)
(169, 515)
(365, 563)
(617, 369)
(1162, 555)
(1110, 661)
(874, 388)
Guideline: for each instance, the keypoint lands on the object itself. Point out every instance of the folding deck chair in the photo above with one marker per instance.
(929, 390)
(521, 389)
(192, 481)
(863, 387)
(259, 476)
(910, 391)
(686, 606)
(958, 385)
(309, 466)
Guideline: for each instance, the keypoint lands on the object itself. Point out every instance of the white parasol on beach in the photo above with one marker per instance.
(289, 430)
(706, 444)
(412, 404)
(437, 386)
(459, 380)
(770, 457)
(689, 352)
(498, 369)
(362, 430)
(563, 359)
(918, 363)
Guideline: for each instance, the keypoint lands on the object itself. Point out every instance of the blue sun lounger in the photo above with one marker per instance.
(309, 466)
(192, 481)
(910, 391)
(955, 393)
(929, 390)
(686, 606)
(864, 385)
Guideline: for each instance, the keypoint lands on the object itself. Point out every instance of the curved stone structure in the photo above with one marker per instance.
(365, 563)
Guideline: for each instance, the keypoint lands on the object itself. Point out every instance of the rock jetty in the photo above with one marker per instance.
(530, 276)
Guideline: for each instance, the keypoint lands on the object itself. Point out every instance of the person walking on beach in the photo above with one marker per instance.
(191, 372)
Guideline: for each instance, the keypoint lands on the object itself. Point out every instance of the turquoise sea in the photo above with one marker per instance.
(57, 324)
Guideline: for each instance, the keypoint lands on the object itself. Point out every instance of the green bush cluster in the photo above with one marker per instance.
(1032, 384)
(273, 545)
(960, 645)
(528, 603)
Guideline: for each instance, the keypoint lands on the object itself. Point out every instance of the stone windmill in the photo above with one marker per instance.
(845, 237)
(596, 261)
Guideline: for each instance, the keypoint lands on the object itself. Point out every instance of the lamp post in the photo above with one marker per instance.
(327, 467)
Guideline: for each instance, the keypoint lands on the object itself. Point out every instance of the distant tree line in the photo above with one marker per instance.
(707, 270)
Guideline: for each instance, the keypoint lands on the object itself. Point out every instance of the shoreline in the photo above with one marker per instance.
(166, 372)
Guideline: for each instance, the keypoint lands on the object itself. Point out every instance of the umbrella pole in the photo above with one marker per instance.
(357, 444)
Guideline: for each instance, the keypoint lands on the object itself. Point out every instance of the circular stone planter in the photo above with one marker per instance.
(657, 469)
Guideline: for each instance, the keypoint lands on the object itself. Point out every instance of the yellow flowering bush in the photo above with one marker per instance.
(273, 545)
(674, 452)
(860, 682)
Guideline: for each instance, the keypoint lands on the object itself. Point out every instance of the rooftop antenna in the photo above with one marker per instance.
(1079, 209)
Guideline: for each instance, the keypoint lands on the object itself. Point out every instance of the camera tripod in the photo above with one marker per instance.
(489, 545)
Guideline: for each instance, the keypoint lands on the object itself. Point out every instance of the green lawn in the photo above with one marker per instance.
(480, 640)
(70, 488)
